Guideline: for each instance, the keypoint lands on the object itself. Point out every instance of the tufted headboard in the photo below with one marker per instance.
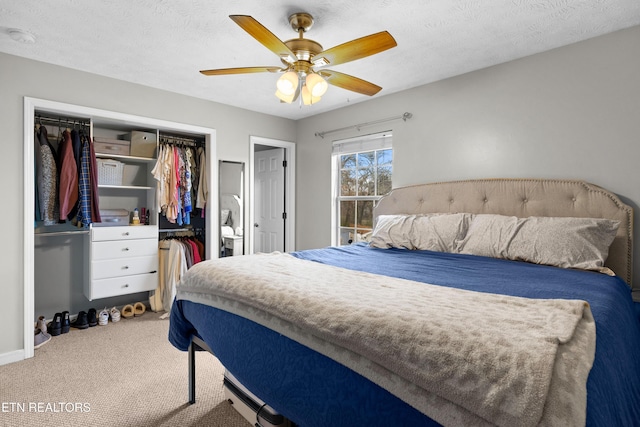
(522, 198)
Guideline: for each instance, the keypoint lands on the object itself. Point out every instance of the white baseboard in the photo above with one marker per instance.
(12, 356)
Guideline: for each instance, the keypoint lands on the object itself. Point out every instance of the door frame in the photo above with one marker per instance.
(290, 189)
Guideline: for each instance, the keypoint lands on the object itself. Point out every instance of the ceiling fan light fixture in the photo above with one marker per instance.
(316, 84)
(288, 83)
(288, 98)
(307, 97)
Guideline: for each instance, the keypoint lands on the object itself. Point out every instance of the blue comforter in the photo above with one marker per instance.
(313, 390)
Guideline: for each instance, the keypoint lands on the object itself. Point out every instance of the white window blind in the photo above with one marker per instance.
(378, 141)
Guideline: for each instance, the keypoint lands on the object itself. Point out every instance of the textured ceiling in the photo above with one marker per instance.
(164, 43)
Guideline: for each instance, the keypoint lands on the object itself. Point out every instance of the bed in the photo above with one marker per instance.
(378, 366)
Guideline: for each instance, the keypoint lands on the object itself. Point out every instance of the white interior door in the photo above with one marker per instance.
(269, 201)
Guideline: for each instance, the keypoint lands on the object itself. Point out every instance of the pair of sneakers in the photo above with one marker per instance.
(104, 315)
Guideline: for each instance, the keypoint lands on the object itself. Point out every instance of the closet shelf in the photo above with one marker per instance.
(58, 230)
(126, 187)
(126, 158)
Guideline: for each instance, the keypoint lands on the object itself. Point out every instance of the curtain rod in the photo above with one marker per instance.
(404, 117)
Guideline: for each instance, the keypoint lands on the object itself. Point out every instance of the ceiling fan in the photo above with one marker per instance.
(305, 58)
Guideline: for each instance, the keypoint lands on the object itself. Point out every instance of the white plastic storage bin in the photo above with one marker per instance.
(109, 172)
(112, 217)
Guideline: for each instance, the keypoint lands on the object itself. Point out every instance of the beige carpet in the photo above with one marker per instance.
(122, 374)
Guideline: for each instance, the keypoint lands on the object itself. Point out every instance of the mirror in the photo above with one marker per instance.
(231, 191)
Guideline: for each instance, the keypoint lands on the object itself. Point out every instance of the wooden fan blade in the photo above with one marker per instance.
(355, 49)
(351, 83)
(242, 70)
(264, 36)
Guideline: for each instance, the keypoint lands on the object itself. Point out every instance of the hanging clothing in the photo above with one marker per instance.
(175, 256)
(76, 145)
(84, 211)
(93, 173)
(180, 177)
(176, 268)
(47, 180)
(68, 184)
(195, 252)
(178, 174)
(156, 296)
(159, 173)
(203, 188)
(37, 165)
(185, 184)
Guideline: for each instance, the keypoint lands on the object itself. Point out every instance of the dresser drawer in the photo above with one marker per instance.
(124, 233)
(112, 249)
(123, 285)
(124, 266)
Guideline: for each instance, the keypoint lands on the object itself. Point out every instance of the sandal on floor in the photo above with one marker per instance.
(139, 309)
(127, 311)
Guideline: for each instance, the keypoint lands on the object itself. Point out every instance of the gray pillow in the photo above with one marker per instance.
(566, 242)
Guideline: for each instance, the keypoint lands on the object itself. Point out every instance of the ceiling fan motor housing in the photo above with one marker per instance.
(305, 49)
(301, 21)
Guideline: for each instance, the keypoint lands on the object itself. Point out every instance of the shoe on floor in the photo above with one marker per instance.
(139, 309)
(92, 317)
(40, 338)
(127, 311)
(103, 317)
(66, 323)
(115, 315)
(81, 321)
(42, 325)
(54, 328)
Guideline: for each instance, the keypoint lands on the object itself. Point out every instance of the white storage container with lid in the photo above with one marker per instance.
(113, 217)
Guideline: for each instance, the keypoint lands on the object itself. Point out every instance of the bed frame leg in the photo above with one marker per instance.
(192, 373)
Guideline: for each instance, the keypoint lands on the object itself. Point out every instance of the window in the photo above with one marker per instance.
(363, 169)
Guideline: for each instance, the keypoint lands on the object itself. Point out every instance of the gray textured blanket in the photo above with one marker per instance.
(460, 357)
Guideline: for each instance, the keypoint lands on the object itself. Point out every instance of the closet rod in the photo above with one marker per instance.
(82, 122)
(404, 117)
(177, 230)
(179, 140)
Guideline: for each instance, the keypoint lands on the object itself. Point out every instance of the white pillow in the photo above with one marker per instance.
(566, 242)
(392, 231)
(439, 232)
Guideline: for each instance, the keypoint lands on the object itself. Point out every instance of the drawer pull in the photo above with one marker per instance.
(125, 249)
(126, 267)
(126, 285)
(126, 233)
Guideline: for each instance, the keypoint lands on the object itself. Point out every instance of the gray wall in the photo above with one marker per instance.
(573, 112)
(19, 78)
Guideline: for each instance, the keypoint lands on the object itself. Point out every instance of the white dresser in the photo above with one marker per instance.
(122, 260)
(233, 245)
